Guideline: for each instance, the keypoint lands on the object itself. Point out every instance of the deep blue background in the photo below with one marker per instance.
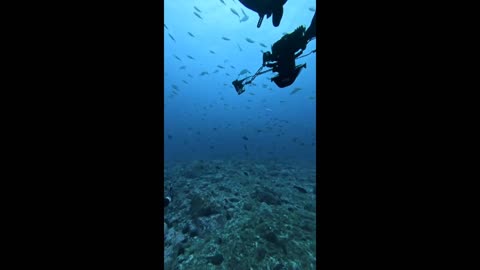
(210, 101)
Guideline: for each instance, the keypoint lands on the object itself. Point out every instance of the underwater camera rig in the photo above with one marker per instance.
(286, 74)
(284, 64)
(239, 86)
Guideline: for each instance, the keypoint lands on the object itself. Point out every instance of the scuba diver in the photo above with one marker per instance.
(282, 58)
(266, 7)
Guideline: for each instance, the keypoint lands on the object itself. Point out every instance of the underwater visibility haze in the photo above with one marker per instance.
(239, 169)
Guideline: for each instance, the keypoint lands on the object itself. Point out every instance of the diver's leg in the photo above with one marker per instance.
(277, 16)
(260, 20)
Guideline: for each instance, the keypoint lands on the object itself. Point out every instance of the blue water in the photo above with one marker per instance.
(207, 119)
(240, 169)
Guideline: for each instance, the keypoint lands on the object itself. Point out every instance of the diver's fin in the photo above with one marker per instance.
(260, 20)
(283, 81)
(277, 16)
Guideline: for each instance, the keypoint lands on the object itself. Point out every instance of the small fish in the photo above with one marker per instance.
(245, 17)
(311, 9)
(171, 37)
(204, 73)
(253, 94)
(212, 52)
(197, 9)
(174, 87)
(302, 190)
(264, 85)
(245, 138)
(249, 40)
(239, 48)
(225, 38)
(185, 81)
(234, 12)
(190, 75)
(311, 97)
(244, 71)
(295, 90)
(227, 74)
(220, 66)
(216, 71)
(232, 67)
(190, 57)
(223, 2)
(170, 136)
(182, 67)
(263, 45)
(165, 26)
(245, 146)
(196, 14)
(177, 57)
(191, 34)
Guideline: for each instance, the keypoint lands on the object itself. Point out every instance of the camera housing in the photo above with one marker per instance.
(239, 87)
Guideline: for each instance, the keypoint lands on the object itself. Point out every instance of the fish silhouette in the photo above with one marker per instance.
(245, 17)
(234, 12)
(196, 14)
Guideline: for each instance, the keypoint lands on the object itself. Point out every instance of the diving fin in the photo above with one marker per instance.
(283, 81)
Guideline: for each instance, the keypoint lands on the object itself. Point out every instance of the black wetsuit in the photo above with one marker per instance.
(286, 50)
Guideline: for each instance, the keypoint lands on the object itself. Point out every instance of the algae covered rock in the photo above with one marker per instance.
(202, 208)
(267, 196)
(217, 259)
